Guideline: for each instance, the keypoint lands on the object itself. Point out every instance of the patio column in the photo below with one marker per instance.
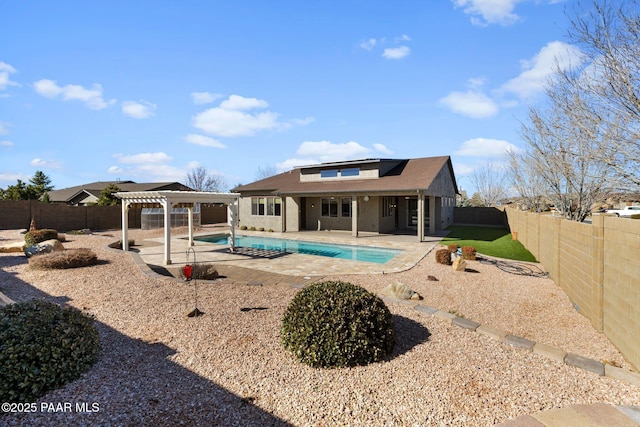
(125, 225)
(190, 211)
(420, 217)
(167, 231)
(354, 216)
(432, 215)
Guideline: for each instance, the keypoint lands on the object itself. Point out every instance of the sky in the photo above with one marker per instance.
(149, 90)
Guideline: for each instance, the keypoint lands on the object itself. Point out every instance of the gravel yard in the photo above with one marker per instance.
(159, 367)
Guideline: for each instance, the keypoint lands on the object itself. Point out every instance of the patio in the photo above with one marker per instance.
(152, 253)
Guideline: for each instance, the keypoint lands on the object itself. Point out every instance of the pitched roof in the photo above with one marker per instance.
(67, 194)
(408, 175)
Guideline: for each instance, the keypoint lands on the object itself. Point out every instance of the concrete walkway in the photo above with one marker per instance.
(596, 415)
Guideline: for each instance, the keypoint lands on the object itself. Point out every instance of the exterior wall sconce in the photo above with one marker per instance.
(313, 205)
(366, 198)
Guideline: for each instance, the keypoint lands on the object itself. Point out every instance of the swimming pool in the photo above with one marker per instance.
(356, 253)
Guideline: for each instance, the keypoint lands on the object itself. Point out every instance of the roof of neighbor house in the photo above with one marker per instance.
(404, 175)
(66, 195)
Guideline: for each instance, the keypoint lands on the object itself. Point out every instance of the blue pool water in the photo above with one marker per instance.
(356, 253)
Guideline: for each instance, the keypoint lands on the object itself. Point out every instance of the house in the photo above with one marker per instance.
(369, 195)
(88, 194)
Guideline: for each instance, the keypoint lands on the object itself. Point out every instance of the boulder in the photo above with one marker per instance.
(12, 247)
(459, 264)
(400, 291)
(44, 248)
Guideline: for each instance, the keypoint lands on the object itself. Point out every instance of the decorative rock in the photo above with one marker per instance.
(459, 264)
(12, 247)
(400, 291)
(44, 248)
(432, 278)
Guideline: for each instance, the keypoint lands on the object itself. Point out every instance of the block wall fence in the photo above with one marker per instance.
(17, 214)
(595, 264)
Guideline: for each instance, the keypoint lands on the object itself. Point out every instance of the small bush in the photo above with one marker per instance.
(635, 216)
(270, 230)
(36, 236)
(452, 247)
(261, 229)
(118, 244)
(69, 258)
(42, 347)
(443, 256)
(469, 253)
(202, 272)
(252, 229)
(243, 227)
(337, 324)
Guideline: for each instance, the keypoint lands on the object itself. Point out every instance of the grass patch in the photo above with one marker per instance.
(489, 241)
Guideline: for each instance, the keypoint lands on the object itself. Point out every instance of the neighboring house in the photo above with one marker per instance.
(370, 195)
(88, 194)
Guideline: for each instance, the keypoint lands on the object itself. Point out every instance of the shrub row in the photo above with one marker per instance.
(69, 258)
(36, 236)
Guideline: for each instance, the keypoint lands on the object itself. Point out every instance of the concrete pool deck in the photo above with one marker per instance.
(151, 252)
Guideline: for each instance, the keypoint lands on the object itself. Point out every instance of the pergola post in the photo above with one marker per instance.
(190, 215)
(125, 225)
(167, 231)
(432, 215)
(231, 220)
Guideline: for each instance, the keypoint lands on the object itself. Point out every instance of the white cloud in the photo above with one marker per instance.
(138, 110)
(205, 141)
(6, 143)
(396, 52)
(5, 71)
(314, 152)
(537, 71)
(153, 158)
(45, 164)
(485, 147)
(91, 97)
(327, 151)
(149, 167)
(380, 148)
(200, 98)
(240, 103)
(4, 128)
(491, 11)
(229, 119)
(303, 122)
(369, 44)
(402, 38)
(470, 103)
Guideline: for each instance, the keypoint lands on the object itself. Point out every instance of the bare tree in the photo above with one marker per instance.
(200, 179)
(265, 171)
(567, 150)
(526, 181)
(609, 36)
(489, 181)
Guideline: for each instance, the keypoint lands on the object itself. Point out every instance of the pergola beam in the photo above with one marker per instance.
(168, 199)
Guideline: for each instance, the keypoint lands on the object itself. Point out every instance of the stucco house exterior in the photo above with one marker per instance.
(369, 195)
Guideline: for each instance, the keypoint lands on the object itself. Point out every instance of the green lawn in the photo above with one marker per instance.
(489, 241)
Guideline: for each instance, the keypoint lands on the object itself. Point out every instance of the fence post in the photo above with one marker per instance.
(597, 268)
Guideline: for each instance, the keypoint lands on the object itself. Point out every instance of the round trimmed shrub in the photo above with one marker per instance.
(43, 346)
(337, 324)
(443, 256)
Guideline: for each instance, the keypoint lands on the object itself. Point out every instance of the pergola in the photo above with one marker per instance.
(169, 199)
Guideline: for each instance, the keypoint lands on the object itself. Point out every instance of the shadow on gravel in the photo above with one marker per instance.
(150, 388)
(409, 334)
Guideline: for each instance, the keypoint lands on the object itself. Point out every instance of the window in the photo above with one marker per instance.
(346, 206)
(329, 173)
(388, 206)
(270, 206)
(350, 172)
(329, 207)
